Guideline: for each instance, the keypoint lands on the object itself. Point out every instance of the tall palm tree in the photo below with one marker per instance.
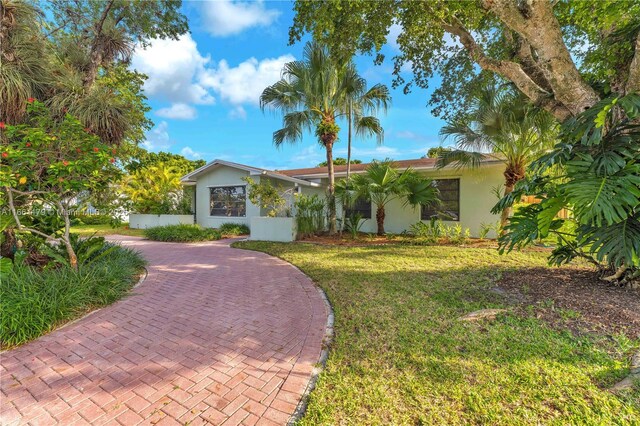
(382, 183)
(502, 124)
(362, 106)
(313, 94)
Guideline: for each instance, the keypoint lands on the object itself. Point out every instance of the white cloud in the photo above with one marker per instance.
(245, 82)
(189, 153)
(178, 112)
(157, 139)
(238, 112)
(175, 68)
(225, 17)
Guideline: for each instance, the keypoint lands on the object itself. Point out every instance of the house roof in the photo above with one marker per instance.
(417, 164)
(190, 179)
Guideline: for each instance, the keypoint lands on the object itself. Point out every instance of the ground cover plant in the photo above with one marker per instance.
(402, 356)
(36, 300)
(181, 233)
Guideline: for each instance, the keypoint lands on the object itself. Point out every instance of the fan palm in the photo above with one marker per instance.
(25, 69)
(314, 94)
(504, 125)
(382, 183)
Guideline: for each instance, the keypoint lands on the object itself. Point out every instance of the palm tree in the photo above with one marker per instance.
(382, 183)
(505, 126)
(360, 103)
(312, 95)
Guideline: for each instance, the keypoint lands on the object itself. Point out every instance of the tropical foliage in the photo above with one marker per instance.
(382, 183)
(156, 189)
(310, 214)
(599, 157)
(34, 300)
(267, 196)
(505, 126)
(313, 95)
(47, 163)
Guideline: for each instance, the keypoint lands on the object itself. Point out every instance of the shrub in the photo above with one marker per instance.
(92, 219)
(34, 302)
(437, 232)
(233, 229)
(310, 215)
(182, 233)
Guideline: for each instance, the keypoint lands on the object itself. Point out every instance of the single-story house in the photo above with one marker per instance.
(467, 195)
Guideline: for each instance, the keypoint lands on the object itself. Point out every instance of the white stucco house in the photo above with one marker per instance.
(467, 195)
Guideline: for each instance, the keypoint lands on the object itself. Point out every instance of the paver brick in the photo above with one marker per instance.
(213, 335)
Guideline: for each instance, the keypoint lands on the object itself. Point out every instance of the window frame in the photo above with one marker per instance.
(211, 188)
(437, 209)
(349, 211)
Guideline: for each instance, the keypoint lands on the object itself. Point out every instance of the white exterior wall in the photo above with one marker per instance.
(476, 200)
(221, 176)
(281, 229)
(143, 221)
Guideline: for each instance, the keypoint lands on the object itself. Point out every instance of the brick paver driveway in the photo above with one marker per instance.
(213, 334)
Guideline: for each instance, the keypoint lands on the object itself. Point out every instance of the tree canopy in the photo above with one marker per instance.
(563, 55)
(340, 161)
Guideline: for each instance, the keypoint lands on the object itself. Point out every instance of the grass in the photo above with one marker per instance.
(400, 355)
(87, 230)
(34, 302)
(181, 233)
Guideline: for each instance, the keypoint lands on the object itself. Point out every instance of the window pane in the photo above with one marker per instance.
(449, 207)
(363, 207)
(228, 201)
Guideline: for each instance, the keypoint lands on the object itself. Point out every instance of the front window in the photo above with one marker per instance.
(449, 206)
(228, 201)
(362, 207)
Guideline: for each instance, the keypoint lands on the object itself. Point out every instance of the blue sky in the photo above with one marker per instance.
(204, 90)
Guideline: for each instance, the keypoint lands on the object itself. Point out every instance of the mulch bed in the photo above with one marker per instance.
(602, 307)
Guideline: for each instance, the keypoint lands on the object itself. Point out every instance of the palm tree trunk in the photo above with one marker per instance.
(380, 214)
(344, 208)
(332, 189)
(506, 212)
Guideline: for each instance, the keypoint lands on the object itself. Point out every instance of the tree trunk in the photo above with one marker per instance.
(380, 214)
(95, 55)
(344, 208)
(332, 189)
(506, 212)
(539, 26)
(66, 237)
(513, 173)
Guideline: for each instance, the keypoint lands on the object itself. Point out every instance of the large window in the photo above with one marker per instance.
(362, 207)
(449, 206)
(228, 201)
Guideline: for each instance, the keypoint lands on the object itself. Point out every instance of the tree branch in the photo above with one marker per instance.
(508, 69)
(16, 217)
(540, 28)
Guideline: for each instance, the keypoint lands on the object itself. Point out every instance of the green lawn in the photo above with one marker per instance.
(401, 356)
(88, 230)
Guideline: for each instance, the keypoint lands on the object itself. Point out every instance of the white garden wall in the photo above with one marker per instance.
(143, 221)
(281, 229)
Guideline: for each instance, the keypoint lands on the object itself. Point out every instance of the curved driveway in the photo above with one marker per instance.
(213, 335)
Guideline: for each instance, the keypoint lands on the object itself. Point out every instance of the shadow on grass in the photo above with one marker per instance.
(397, 326)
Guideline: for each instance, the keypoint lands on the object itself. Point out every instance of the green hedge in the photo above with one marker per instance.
(34, 302)
(92, 219)
(181, 233)
(234, 229)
